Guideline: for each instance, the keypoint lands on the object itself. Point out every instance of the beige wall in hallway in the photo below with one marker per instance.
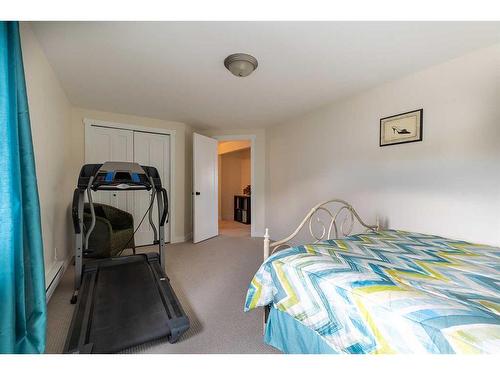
(234, 176)
(230, 146)
(246, 171)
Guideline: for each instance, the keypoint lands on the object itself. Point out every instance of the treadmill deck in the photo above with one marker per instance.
(124, 302)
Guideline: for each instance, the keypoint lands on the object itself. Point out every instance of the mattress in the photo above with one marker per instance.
(385, 292)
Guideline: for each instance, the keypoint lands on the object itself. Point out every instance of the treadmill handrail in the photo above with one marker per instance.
(74, 211)
(92, 212)
(165, 207)
(150, 216)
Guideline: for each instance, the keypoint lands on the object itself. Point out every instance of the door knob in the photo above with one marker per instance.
(197, 193)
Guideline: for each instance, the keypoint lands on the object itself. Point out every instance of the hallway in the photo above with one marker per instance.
(233, 229)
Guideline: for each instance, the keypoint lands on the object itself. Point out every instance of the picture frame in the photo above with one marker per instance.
(405, 127)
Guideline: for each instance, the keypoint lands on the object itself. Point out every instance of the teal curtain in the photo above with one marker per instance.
(22, 281)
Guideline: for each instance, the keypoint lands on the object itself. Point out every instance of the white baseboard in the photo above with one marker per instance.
(257, 233)
(185, 238)
(53, 277)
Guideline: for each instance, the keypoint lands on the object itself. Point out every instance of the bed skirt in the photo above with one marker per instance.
(292, 337)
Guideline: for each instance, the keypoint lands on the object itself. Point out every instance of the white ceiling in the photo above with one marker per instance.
(174, 70)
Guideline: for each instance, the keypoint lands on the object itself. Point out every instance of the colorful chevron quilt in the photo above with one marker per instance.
(388, 292)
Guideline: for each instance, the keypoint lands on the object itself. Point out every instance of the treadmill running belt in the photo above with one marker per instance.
(127, 309)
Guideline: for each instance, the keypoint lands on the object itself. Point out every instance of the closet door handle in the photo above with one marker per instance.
(197, 193)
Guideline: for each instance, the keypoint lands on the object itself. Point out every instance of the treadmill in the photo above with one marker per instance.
(123, 301)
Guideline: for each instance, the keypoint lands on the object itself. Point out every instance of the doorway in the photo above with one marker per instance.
(206, 187)
(234, 187)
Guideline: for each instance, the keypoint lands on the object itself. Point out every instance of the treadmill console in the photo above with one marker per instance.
(115, 175)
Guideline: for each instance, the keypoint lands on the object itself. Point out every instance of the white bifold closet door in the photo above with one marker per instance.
(152, 149)
(105, 144)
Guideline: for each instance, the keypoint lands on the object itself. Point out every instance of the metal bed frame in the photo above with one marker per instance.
(331, 219)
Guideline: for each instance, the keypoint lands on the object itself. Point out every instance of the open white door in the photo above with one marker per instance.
(205, 188)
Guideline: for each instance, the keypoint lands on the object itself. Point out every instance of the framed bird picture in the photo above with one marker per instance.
(403, 128)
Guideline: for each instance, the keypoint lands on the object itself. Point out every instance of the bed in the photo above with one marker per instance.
(380, 291)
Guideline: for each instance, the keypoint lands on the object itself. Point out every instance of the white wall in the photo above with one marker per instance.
(449, 184)
(50, 114)
(181, 191)
(259, 172)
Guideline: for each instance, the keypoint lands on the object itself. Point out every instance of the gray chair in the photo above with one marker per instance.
(113, 231)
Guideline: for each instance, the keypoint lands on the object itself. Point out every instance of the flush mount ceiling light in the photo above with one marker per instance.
(241, 64)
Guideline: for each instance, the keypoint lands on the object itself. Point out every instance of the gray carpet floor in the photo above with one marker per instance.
(210, 278)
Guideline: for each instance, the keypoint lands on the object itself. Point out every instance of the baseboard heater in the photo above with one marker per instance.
(55, 276)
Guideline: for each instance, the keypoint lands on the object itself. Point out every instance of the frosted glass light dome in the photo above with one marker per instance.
(241, 64)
